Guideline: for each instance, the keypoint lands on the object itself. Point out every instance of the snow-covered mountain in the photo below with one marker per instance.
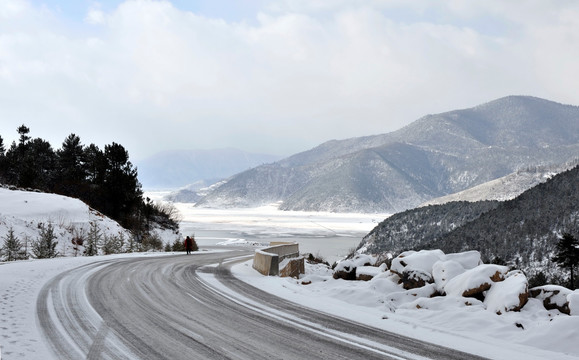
(507, 187)
(178, 168)
(434, 156)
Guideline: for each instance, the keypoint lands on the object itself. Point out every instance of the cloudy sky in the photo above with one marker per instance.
(279, 76)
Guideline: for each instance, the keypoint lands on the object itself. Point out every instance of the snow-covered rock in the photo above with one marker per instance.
(346, 269)
(444, 271)
(415, 278)
(366, 273)
(474, 282)
(573, 301)
(508, 295)
(468, 259)
(397, 299)
(552, 296)
(416, 260)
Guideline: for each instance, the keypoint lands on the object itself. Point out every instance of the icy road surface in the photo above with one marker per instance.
(191, 307)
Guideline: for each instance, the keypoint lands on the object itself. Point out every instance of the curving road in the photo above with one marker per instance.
(191, 307)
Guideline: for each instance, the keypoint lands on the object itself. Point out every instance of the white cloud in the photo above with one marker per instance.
(153, 77)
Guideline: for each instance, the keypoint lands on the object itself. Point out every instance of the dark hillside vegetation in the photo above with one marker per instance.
(522, 232)
(414, 228)
(106, 180)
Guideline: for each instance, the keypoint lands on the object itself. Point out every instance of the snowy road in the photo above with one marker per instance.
(191, 307)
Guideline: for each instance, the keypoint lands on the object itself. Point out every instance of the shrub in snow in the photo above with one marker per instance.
(113, 244)
(153, 241)
(473, 282)
(508, 295)
(552, 296)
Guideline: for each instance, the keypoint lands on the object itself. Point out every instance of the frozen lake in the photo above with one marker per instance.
(330, 235)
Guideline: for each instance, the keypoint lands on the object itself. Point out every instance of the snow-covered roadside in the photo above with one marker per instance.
(445, 321)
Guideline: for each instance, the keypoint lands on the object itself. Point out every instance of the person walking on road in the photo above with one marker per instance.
(188, 244)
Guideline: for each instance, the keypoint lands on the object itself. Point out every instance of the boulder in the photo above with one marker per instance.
(508, 295)
(346, 269)
(553, 297)
(366, 273)
(573, 301)
(292, 267)
(422, 260)
(396, 299)
(444, 271)
(414, 278)
(467, 259)
(474, 282)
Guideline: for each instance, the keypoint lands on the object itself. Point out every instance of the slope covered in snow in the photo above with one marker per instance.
(507, 187)
(26, 212)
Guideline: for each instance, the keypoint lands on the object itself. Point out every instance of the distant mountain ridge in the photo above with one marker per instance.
(507, 187)
(434, 156)
(178, 168)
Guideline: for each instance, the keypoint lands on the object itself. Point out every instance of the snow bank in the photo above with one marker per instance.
(465, 323)
(26, 212)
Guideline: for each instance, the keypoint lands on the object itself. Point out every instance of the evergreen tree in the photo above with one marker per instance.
(12, 248)
(567, 254)
(71, 175)
(3, 164)
(178, 245)
(45, 246)
(113, 244)
(93, 239)
(30, 163)
(122, 190)
(2, 148)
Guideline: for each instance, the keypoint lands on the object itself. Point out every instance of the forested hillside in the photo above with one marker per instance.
(521, 232)
(104, 179)
(414, 228)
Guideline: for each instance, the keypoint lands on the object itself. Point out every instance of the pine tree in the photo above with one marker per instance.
(71, 175)
(92, 240)
(45, 246)
(567, 254)
(12, 248)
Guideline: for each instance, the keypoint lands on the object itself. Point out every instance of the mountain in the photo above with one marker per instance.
(522, 231)
(434, 156)
(177, 168)
(507, 187)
